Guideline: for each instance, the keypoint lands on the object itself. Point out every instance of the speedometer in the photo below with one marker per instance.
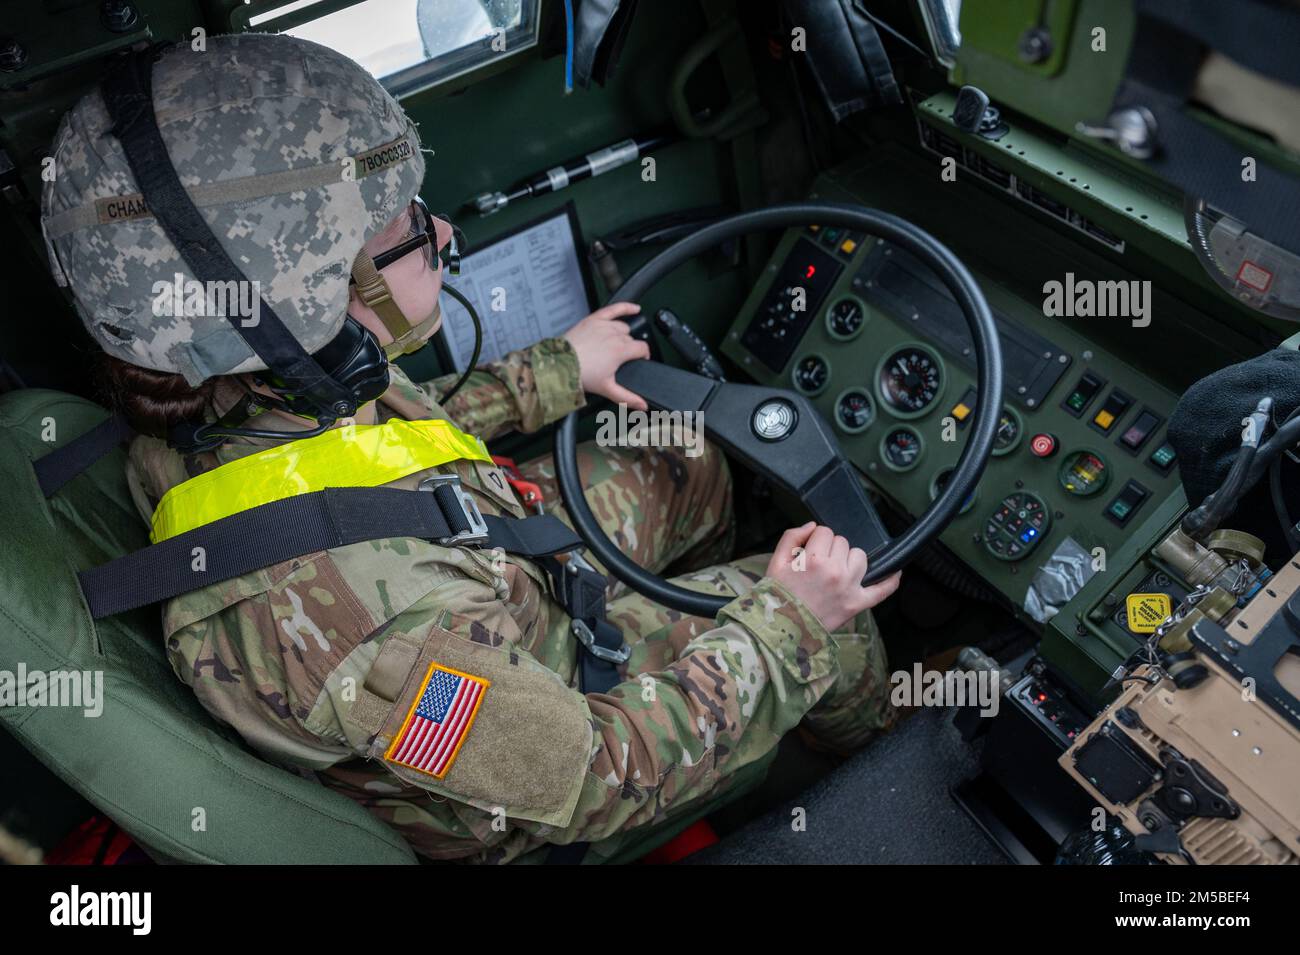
(910, 380)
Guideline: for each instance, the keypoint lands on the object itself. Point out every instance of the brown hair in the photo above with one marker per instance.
(151, 400)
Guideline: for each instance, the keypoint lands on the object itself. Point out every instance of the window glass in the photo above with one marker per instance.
(412, 44)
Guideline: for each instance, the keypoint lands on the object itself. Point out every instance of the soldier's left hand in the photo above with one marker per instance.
(603, 343)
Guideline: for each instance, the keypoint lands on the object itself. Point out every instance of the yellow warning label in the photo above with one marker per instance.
(1147, 611)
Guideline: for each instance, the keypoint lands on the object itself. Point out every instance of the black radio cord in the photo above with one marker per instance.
(478, 343)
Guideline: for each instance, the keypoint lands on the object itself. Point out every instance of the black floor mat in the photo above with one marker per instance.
(887, 805)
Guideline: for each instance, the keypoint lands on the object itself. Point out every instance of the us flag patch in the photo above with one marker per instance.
(438, 721)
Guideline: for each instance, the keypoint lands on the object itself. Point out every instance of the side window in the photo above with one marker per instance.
(409, 45)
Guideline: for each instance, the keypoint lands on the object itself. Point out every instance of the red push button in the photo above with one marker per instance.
(1043, 445)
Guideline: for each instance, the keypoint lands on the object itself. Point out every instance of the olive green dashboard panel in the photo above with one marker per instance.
(879, 345)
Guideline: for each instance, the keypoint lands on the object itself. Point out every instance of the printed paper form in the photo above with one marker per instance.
(525, 288)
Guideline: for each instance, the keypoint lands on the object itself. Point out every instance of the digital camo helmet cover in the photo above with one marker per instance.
(295, 156)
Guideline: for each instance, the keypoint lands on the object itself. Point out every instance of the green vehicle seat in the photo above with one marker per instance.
(154, 761)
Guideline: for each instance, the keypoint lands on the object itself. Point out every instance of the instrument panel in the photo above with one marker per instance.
(876, 341)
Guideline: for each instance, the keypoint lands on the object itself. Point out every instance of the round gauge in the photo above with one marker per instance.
(1008, 434)
(941, 481)
(1083, 473)
(811, 375)
(910, 380)
(854, 411)
(844, 318)
(901, 449)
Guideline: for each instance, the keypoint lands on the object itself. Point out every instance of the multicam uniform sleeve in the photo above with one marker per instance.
(565, 767)
(665, 738)
(523, 391)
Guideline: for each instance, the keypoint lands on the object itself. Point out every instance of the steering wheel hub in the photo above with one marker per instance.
(775, 419)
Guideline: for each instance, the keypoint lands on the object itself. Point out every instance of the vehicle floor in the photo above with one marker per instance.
(888, 804)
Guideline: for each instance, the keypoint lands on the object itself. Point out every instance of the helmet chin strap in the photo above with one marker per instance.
(373, 290)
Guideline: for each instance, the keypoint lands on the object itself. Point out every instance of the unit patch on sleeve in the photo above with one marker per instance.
(439, 721)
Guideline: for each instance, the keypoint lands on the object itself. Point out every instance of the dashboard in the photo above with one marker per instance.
(874, 339)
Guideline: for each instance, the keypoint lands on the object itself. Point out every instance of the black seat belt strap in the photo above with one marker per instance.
(282, 530)
(581, 589)
(603, 648)
(58, 467)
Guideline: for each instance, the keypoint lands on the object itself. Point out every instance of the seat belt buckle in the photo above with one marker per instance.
(585, 637)
(584, 599)
(576, 558)
(474, 530)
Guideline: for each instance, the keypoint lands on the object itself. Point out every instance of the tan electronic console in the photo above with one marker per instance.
(1199, 755)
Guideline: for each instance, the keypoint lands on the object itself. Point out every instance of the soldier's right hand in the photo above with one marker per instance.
(822, 570)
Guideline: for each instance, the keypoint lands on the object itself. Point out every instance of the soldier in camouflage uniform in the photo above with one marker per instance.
(319, 662)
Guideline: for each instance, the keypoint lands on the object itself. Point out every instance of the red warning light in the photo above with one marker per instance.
(812, 270)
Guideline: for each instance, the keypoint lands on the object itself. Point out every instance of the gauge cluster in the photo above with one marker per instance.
(1080, 451)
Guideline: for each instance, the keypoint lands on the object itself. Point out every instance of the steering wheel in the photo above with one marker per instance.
(780, 433)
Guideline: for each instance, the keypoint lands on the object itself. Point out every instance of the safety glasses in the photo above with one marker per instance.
(423, 235)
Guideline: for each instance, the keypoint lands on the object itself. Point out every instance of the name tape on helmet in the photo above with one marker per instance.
(130, 207)
(383, 157)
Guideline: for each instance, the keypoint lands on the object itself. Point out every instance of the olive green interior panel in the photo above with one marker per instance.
(1076, 82)
(194, 793)
(1089, 43)
(61, 46)
(1032, 35)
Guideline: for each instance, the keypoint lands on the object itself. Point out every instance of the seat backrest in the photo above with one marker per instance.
(153, 760)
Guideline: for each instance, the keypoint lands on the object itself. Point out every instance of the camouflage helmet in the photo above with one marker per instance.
(295, 156)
